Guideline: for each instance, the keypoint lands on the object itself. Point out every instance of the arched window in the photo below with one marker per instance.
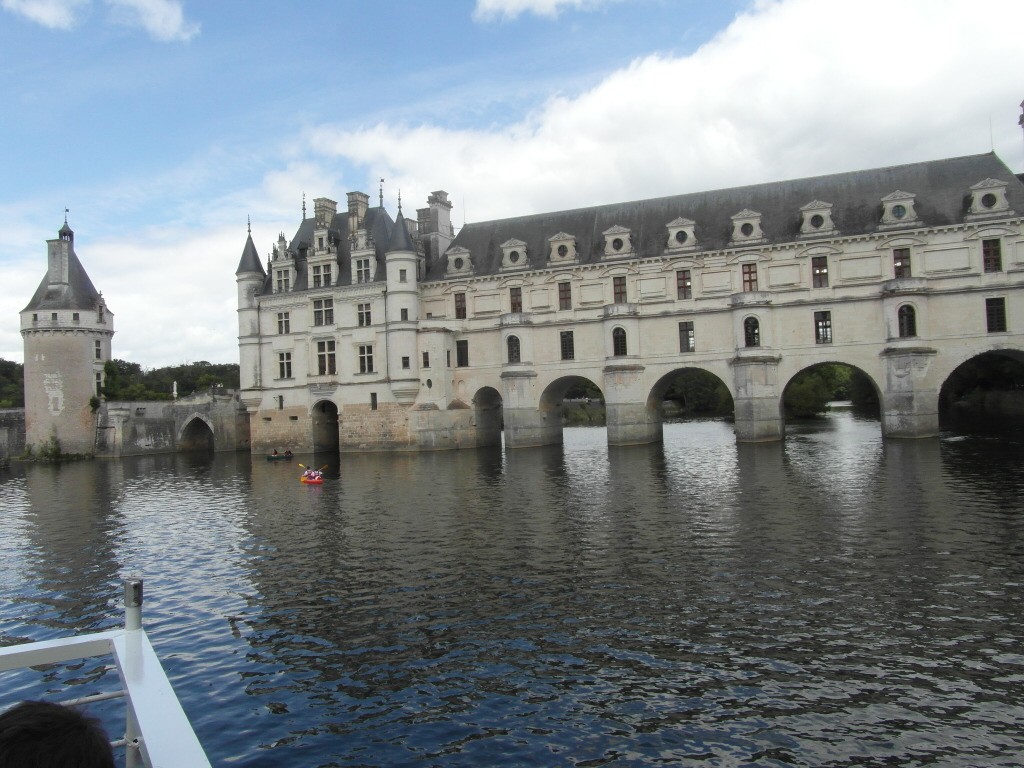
(513, 349)
(907, 320)
(619, 342)
(751, 332)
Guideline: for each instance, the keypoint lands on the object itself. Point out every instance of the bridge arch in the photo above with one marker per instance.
(989, 383)
(325, 423)
(488, 415)
(862, 378)
(196, 434)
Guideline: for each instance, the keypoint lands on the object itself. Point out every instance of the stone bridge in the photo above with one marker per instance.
(212, 420)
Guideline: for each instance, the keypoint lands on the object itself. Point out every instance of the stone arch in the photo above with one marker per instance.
(656, 403)
(984, 382)
(552, 403)
(488, 416)
(196, 434)
(877, 390)
(325, 422)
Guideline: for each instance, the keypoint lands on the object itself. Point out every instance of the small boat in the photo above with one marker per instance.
(311, 480)
(280, 456)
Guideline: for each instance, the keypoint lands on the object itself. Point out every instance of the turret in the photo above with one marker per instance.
(402, 302)
(249, 278)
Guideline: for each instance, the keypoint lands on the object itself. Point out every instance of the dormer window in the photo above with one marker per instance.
(988, 198)
(680, 235)
(617, 242)
(513, 254)
(282, 281)
(562, 248)
(460, 261)
(816, 219)
(746, 227)
(898, 210)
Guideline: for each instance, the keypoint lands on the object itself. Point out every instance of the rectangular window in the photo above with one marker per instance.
(515, 296)
(823, 327)
(362, 270)
(325, 360)
(99, 349)
(448, 357)
(901, 262)
(619, 289)
(684, 285)
(284, 322)
(284, 365)
(404, 314)
(568, 345)
(402, 276)
(373, 401)
(99, 384)
(323, 312)
(565, 295)
(819, 271)
(426, 359)
(992, 255)
(321, 276)
(462, 353)
(284, 281)
(74, 317)
(750, 277)
(995, 315)
(363, 311)
(687, 341)
(460, 306)
(366, 358)
(405, 363)
(53, 317)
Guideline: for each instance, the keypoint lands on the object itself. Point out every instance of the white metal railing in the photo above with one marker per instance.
(157, 732)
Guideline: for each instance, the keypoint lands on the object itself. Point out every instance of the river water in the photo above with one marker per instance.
(833, 600)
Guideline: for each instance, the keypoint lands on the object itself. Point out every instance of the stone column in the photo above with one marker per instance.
(630, 419)
(526, 422)
(910, 403)
(758, 400)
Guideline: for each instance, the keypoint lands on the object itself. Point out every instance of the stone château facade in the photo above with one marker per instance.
(365, 332)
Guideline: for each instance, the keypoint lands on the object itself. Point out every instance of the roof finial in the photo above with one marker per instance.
(248, 221)
(382, 193)
(303, 206)
(66, 212)
(399, 200)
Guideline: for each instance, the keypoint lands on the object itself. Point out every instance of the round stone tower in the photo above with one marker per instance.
(67, 330)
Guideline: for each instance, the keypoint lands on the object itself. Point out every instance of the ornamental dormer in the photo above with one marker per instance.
(562, 249)
(988, 198)
(513, 255)
(460, 262)
(282, 267)
(898, 210)
(746, 228)
(617, 242)
(816, 219)
(680, 235)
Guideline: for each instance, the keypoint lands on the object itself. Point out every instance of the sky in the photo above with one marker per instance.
(166, 126)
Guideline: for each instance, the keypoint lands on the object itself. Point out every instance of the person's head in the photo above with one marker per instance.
(39, 734)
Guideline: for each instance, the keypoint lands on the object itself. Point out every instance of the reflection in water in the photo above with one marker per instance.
(829, 600)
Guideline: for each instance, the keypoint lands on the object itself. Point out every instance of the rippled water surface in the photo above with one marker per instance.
(833, 600)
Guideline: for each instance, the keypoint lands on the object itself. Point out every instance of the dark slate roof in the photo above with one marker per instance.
(79, 293)
(376, 221)
(400, 240)
(250, 261)
(941, 190)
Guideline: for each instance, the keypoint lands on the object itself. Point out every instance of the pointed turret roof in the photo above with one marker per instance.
(250, 261)
(77, 293)
(400, 240)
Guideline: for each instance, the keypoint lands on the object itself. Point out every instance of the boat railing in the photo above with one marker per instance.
(157, 731)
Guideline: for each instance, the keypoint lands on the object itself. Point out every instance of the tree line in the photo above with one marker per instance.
(128, 381)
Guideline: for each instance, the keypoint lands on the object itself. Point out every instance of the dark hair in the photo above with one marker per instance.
(39, 734)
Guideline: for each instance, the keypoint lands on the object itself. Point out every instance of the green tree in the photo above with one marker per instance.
(12, 384)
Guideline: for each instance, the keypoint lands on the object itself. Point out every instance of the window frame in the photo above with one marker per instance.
(619, 294)
(514, 349)
(324, 313)
(823, 327)
(620, 342)
(515, 298)
(460, 306)
(819, 271)
(567, 345)
(749, 276)
(565, 295)
(284, 365)
(365, 352)
(995, 315)
(687, 336)
(901, 264)
(751, 332)
(326, 360)
(992, 254)
(363, 270)
(364, 314)
(284, 323)
(684, 284)
(906, 321)
(462, 353)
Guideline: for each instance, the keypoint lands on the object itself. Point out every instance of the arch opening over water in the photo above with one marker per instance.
(196, 435)
(325, 426)
(984, 388)
(813, 390)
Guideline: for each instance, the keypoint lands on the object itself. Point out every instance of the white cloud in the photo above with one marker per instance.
(55, 14)
(164, 20)
(789, 89)
(488, 10)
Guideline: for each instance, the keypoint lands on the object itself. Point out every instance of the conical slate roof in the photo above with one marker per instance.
(250, 261)
(400, 240)
(77, 293)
